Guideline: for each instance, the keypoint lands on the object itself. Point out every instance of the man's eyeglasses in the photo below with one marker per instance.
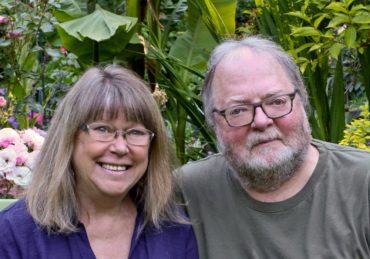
(106, 133)
(274, 107)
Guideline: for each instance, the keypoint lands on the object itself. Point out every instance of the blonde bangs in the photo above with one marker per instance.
(111, 100)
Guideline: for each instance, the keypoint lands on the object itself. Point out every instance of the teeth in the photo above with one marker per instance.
(114, 167)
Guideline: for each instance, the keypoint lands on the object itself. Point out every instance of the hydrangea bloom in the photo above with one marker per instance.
(18, 155)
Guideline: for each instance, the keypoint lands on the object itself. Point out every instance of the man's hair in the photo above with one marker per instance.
(100, 93)
(259, 45)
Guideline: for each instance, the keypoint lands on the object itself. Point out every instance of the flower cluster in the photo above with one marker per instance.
(18, 153)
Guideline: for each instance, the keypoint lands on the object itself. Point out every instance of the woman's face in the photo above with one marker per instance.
(108, 168)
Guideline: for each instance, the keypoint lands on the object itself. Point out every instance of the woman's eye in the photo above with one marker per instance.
(136, 132)
(103, 129)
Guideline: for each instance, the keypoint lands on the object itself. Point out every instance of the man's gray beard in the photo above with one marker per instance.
(264, 176)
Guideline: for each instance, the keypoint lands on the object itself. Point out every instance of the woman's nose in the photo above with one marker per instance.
(119, 145)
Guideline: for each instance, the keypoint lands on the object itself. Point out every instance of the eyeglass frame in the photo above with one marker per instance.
(118, 132)
(255, 105)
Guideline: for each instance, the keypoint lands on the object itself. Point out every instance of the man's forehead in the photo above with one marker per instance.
(245, 54)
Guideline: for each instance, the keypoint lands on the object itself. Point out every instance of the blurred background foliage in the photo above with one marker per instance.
(45, 45)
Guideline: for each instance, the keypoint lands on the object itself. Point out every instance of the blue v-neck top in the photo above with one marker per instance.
(21, 237)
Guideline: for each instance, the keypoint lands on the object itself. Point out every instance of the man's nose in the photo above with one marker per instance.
(260, 120)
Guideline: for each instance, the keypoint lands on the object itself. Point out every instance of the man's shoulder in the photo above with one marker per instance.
(203, 165)
(346, 164)
(343, 152)
(201, 171)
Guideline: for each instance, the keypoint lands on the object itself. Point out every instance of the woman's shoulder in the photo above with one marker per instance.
(16, 219)
(26, 239)
(16, 213)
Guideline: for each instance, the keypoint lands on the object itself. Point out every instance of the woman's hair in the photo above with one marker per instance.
(100, 92)
(260, 45)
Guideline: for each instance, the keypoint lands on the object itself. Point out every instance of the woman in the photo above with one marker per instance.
(103, 186)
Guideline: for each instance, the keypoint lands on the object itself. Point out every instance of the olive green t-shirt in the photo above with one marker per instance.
(328, 218)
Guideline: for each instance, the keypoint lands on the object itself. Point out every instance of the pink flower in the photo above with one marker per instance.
(8, 136)
(41, 132)
(39, 116)
(3, 19)
(63, 50)
(21, 151)
(14, 34)
(2, 101)
(32, 139)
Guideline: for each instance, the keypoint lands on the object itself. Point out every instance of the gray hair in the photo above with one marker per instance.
(257, 44)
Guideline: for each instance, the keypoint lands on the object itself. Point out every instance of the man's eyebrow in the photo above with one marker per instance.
(240, 100)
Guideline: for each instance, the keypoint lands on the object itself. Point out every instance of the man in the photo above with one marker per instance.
(273, 191)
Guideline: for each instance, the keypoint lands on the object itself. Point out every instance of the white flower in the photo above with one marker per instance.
(31, 159)
(21, 176)
(7, 161)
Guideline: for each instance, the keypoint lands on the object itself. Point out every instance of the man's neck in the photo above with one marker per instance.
(294, 184)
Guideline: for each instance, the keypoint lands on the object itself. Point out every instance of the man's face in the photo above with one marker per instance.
(267, 152)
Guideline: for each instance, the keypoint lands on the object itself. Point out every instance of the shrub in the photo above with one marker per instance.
(357, 132)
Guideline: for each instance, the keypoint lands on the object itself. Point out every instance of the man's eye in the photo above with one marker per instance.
(238, 111)
(278, 101)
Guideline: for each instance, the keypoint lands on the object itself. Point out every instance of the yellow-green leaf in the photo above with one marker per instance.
(318, 20)
(316, 46)
(350, 36)
(304, 46)
(361, 19)
(305, 31)
(338, 20)
(336, 49)
(338, 7)
(301, 15)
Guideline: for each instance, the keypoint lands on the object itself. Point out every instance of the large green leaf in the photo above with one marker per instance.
(108, 31)
(68, 10)
(195, 45)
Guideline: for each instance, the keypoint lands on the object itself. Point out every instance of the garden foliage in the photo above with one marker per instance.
(44, 46)
(330, 41)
